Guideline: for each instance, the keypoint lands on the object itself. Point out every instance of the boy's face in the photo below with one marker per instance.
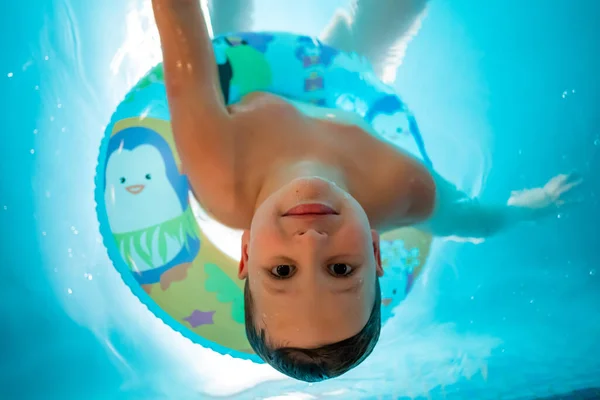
(312, 276)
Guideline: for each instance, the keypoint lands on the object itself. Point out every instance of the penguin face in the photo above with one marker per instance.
(138, 192)
(395, 128)
(391, 125)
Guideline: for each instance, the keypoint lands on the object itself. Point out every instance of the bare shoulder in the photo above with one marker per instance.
(404, 187)
(230, 184)
(417, 183)
(254, 106)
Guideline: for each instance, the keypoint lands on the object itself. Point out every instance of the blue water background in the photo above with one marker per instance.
(507, 94)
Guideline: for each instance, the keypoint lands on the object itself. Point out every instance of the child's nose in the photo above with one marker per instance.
(313, 234)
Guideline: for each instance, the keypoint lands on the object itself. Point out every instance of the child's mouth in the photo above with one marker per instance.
(310, 209)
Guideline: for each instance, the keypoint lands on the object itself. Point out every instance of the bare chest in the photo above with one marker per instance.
(273, 132)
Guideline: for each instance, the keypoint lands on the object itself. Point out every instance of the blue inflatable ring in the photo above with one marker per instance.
(146, 210)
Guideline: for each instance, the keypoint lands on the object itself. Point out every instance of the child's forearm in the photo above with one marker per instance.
(188, 55)
(202, 127)
(471, 219)
(457, 214)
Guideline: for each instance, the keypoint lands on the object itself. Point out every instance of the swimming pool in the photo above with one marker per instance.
(506, 95)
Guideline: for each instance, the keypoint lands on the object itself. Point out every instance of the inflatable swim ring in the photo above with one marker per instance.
(178, 261)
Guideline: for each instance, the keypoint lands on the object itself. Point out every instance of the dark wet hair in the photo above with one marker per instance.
(325, 362)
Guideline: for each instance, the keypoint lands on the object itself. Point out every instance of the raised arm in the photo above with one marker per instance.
(201, 125)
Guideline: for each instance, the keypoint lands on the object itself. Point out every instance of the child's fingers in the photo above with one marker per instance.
(571, 182)
(563, 182)
(572, 185)
(574, 180)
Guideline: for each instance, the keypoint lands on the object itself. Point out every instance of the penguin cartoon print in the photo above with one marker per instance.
(401, 266)
(220, 46)
(392, 120)
(404, 254)
(147, 205)
(315, 60)
(242, 66)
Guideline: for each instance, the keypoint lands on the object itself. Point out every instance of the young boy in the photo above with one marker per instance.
(303, 186)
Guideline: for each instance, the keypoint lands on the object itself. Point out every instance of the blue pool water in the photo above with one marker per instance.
(507, 95)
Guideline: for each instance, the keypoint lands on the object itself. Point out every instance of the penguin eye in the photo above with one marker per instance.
(122, 179)
(148, 176)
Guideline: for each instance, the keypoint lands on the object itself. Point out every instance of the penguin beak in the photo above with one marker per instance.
(135, 189)
(387, 301)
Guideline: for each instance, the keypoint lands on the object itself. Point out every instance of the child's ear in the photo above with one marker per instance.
(377, 252)
(243, 268)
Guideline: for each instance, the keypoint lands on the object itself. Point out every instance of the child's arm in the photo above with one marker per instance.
(202, 126)
(456, 214)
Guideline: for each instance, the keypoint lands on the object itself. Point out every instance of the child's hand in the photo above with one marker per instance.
(551, 196)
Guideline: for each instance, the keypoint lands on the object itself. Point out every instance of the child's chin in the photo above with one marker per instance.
(312, 189)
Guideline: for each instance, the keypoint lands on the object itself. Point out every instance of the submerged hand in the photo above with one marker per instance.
(551, 196)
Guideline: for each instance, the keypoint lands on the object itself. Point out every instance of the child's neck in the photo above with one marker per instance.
(283, 173)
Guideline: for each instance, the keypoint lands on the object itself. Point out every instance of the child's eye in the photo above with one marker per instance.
(122, 180)
(340, 270)
(283, 271)
(148, 176)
